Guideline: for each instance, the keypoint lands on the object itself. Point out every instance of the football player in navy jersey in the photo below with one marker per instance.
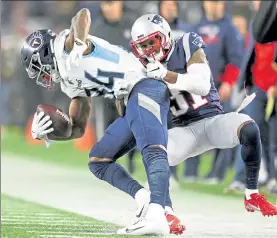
(199, 123)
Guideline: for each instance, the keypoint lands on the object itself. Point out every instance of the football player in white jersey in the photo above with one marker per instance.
(86, 66)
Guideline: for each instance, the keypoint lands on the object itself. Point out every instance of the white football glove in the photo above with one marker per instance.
(156, 70)
(76, 54)
(120, 88)
(40, 126)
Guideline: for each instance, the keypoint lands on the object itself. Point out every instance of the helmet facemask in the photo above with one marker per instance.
(152, 47)
(46, 74)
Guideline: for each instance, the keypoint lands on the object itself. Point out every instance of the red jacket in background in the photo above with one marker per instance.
(264, 76)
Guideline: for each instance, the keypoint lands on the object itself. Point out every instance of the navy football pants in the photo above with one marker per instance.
(144, 124)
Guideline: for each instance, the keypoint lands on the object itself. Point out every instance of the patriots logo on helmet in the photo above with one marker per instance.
(36, 41)
(157, 19)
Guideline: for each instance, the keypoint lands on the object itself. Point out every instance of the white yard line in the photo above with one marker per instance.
(78, 191)
(44, 221)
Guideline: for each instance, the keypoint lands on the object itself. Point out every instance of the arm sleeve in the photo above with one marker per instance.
(191, 43)
(234, 49)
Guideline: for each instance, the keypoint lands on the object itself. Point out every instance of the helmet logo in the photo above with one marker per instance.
(157, 19)
(36, 40)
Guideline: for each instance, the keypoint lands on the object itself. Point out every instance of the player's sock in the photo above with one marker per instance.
(248, 192)
(142, 196)
(251, 153)
(169, 210)
(157, 167)
(115, 175)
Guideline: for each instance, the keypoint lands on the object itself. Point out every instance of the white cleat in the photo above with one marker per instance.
(147, 227)
(153, 223)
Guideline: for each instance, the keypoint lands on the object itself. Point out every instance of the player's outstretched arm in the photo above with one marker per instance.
(197, 78)
(79, 111)
(80, 25)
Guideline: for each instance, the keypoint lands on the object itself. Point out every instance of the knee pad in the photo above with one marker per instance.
(155, 159)
(98, 168)
(250, 134)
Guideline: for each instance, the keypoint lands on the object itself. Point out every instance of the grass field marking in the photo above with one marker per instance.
(50, 227)
(63, 236)
(6, 217)
(34, 214)
(79, 233)
(68, 221)
(43, 223)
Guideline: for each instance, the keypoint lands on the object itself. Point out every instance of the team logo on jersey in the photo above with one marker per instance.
(198, 42)
(36, 40)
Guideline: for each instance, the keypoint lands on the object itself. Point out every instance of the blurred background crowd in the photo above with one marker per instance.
(225, 26)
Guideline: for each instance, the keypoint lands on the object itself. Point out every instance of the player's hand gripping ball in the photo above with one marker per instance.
(60, 121)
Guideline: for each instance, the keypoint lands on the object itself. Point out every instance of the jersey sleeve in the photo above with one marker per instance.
(73, 90)
(191, 43)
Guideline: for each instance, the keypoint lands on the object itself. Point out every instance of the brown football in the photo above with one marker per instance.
(60, 121)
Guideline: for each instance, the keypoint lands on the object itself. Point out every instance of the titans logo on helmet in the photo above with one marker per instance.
(36, 41)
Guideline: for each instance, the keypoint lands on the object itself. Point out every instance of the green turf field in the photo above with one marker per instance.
(21, 219)
(64, 153)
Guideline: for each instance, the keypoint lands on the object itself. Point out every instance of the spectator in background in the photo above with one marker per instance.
(241, 24)
(169, 10)
(224, 49)
(114, 24)
(8, 59)
(258, 66)
(93, 6)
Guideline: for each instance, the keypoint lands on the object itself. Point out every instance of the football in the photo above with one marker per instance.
(60, 121)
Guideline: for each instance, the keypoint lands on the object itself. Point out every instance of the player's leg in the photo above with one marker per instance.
(146, 113)
(256, 110)
(181, 142)
(231, 129)
(130, 161)
(117, 141)
(238, 184)
(190, 173)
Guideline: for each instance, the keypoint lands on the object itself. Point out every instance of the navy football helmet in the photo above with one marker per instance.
(38, 58)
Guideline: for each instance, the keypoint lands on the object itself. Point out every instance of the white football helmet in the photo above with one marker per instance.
(151, 38)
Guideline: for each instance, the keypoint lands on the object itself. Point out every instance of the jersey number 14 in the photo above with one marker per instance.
(180, 104)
